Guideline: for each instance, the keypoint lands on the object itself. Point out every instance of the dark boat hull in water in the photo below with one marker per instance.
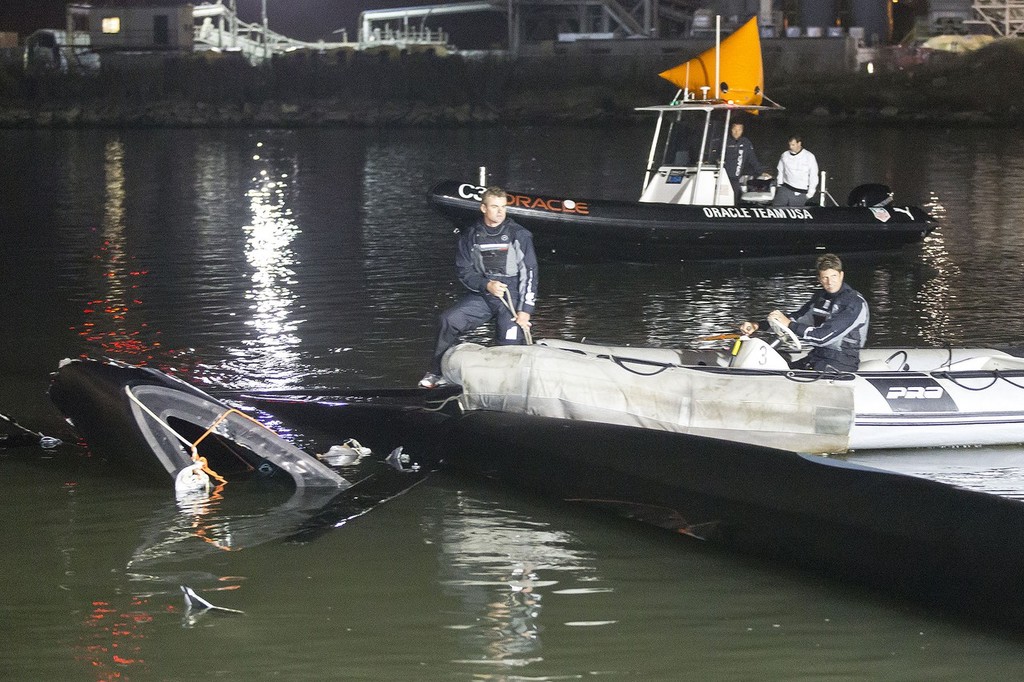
(148, 422)
(575, 228)
(933, 543)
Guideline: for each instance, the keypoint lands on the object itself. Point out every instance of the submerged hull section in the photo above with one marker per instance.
(146, 421)
(656, 232)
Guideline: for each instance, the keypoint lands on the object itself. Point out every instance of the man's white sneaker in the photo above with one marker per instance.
(431, 380)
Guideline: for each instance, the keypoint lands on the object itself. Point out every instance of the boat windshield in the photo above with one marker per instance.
(682, 144)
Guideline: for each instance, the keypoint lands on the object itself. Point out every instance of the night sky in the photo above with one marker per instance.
(300, 19)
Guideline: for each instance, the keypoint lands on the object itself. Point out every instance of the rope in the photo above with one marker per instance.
(996, 375)
(30, 437)
(443, 403)
(1007, 379)
(956, 382)
(196, 457)
(621, 362)
(507, 300)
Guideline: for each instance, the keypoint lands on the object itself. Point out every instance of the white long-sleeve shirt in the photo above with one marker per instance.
(799, 171)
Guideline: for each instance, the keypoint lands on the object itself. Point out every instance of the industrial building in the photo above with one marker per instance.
(545, 27)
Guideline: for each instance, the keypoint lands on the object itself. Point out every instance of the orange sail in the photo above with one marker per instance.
(740, 70)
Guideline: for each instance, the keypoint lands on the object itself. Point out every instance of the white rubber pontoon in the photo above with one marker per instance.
(899, 398)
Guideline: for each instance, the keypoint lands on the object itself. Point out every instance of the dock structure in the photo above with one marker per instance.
(531, 25)
(585, 18)
(1005, 18)
(218, 25)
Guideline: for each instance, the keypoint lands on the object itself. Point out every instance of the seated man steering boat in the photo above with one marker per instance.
(834, 322)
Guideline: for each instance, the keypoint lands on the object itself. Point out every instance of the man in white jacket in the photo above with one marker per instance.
(797, 175)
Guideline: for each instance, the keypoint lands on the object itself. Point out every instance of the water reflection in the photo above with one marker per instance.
(501, 565)
(111, 316)
(191, 528)
(271, 355)
(994, 470)
(112, 645)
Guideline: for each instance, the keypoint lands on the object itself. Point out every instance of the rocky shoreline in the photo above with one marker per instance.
(979, 88)
(273, 114)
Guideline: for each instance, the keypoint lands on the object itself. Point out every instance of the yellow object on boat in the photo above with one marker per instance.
(739, 68)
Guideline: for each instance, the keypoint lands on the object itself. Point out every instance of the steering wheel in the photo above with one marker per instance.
(787, 338)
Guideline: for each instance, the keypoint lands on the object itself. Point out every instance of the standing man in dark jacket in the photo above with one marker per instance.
(495, 259)
(834, 323)
(740, 158)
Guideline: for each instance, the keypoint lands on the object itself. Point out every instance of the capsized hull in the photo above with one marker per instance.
(654, 232)
(146, 420)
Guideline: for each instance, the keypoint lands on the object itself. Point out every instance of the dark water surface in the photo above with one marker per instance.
(261, 259)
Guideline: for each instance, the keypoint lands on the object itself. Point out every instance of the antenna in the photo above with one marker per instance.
(718, 55)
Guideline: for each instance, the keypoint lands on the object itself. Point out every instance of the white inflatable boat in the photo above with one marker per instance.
(899, 398)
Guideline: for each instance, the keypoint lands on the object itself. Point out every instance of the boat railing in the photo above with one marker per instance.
(823, 192)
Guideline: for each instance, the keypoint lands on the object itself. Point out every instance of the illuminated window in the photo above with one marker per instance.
(111, 24)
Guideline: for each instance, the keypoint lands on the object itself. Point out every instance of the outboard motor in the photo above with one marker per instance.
(871, 194)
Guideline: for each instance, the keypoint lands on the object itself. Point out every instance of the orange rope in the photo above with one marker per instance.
(206, 468)
(218, 420)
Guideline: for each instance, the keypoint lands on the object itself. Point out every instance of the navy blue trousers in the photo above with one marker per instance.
(468, 313)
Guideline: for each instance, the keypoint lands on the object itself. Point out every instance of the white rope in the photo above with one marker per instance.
(161, 422)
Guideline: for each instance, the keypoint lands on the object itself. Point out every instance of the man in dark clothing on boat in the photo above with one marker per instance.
(496, 262)
(834, 323)
(740, 158)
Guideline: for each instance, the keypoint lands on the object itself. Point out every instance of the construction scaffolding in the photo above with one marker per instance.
(579, 18)
(1004, 17)
(217, 26)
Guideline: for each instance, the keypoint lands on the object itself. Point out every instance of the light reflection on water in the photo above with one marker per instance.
(287, 266)
(996, 470)
(110, 318)
(500, 566)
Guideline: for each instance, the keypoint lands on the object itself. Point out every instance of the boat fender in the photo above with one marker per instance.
(191, 479)
(343, 455)
(339, 456)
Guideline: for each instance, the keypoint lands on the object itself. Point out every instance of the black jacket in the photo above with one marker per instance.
(504, 253)
(834, 325)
